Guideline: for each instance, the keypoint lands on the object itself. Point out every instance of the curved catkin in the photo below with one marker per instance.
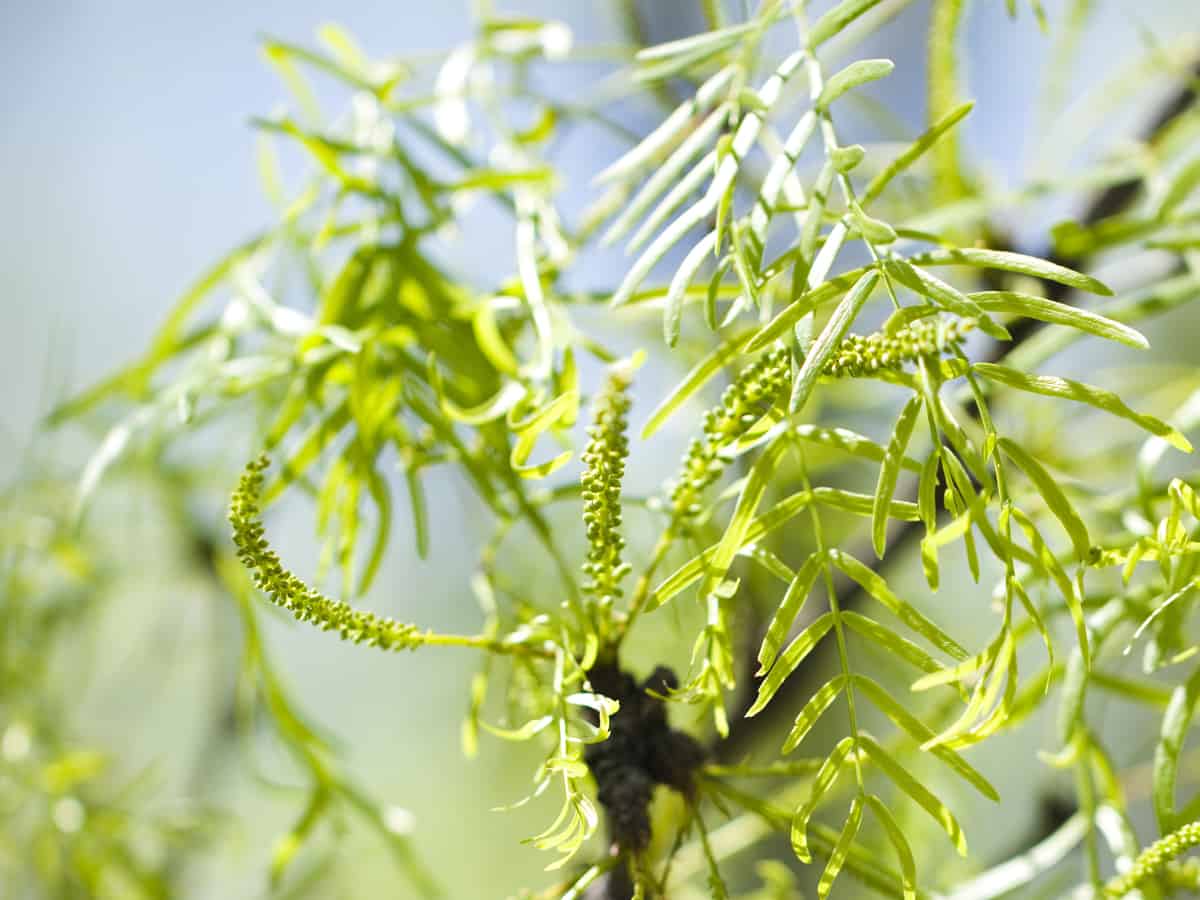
(760, 385)
(1154, 860)
(289, 592)
(857, 356)
(744, 402)
(604, 467)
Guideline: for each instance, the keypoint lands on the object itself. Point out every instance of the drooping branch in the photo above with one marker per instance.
(1113, 200)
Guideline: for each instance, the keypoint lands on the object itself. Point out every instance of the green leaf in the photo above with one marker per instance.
(781, 325)
(813, 710)
(838, 857)
(508, 396)
(858, 73)
(835, 329)
(1056, 313)
(674, 198)
(718, 39)
(700, 375)
(644, 153)
(874, 231)
(382, 496)
(917, 791)
(874, 584)
(757, 482)
(769, 561)
(890, 641)
(531, 428)
(917, 730)
(718, 196)
(927, 495)
(863, 504)
(885, 489)
(710, 296)
(857, 445)
(914, 152)
(826, 777)
(673, 311)
(846, 159)
(1054, 496)
(667, 173)
(1053, 386)
(793, 600)
(317, 439)
(521, 733)
(491, 342)
(945, 295)
(780, 514)
(1012, 262)
(1176, 721)
(795, 653)
(1181, 187)
(835, 20)
(908, 867)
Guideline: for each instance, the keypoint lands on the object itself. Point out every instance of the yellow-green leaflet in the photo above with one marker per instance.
(915, 789)
(835, 20)
(679, 285)
(887, 639)
(859, 72)
(908, 866)
(787, 662)
(743, 514)
(890, 470)
(835, 329)
(1055, 313)
(944, 295)
(914, 152)
(1012, 262)
(531, 428)
(874, 584)
(838, 857)
(826, 777)
(1054, 496)
(812, 711)
(1176, 721)
(1053, 386)
(891, 708)
(700, 374)
(803, 305)
(785, 614)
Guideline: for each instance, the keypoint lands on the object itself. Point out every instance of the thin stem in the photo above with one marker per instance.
(835, 611)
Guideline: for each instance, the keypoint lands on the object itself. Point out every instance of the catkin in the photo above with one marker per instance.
(761, 384)
(289, 592)
(604, 467)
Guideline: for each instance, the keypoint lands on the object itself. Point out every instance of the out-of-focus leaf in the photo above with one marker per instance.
(1053, 386)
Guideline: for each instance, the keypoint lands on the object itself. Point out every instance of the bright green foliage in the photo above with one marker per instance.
(786, 239)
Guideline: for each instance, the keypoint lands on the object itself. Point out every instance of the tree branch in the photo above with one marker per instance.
(1114, 200)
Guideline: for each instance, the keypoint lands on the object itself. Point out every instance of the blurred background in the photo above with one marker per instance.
(127, 167)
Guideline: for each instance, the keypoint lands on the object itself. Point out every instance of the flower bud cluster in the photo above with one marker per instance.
(1154, 860)
(287, 591)
(744, 402)
(757, 388)
(604, 467)
(858, 355)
